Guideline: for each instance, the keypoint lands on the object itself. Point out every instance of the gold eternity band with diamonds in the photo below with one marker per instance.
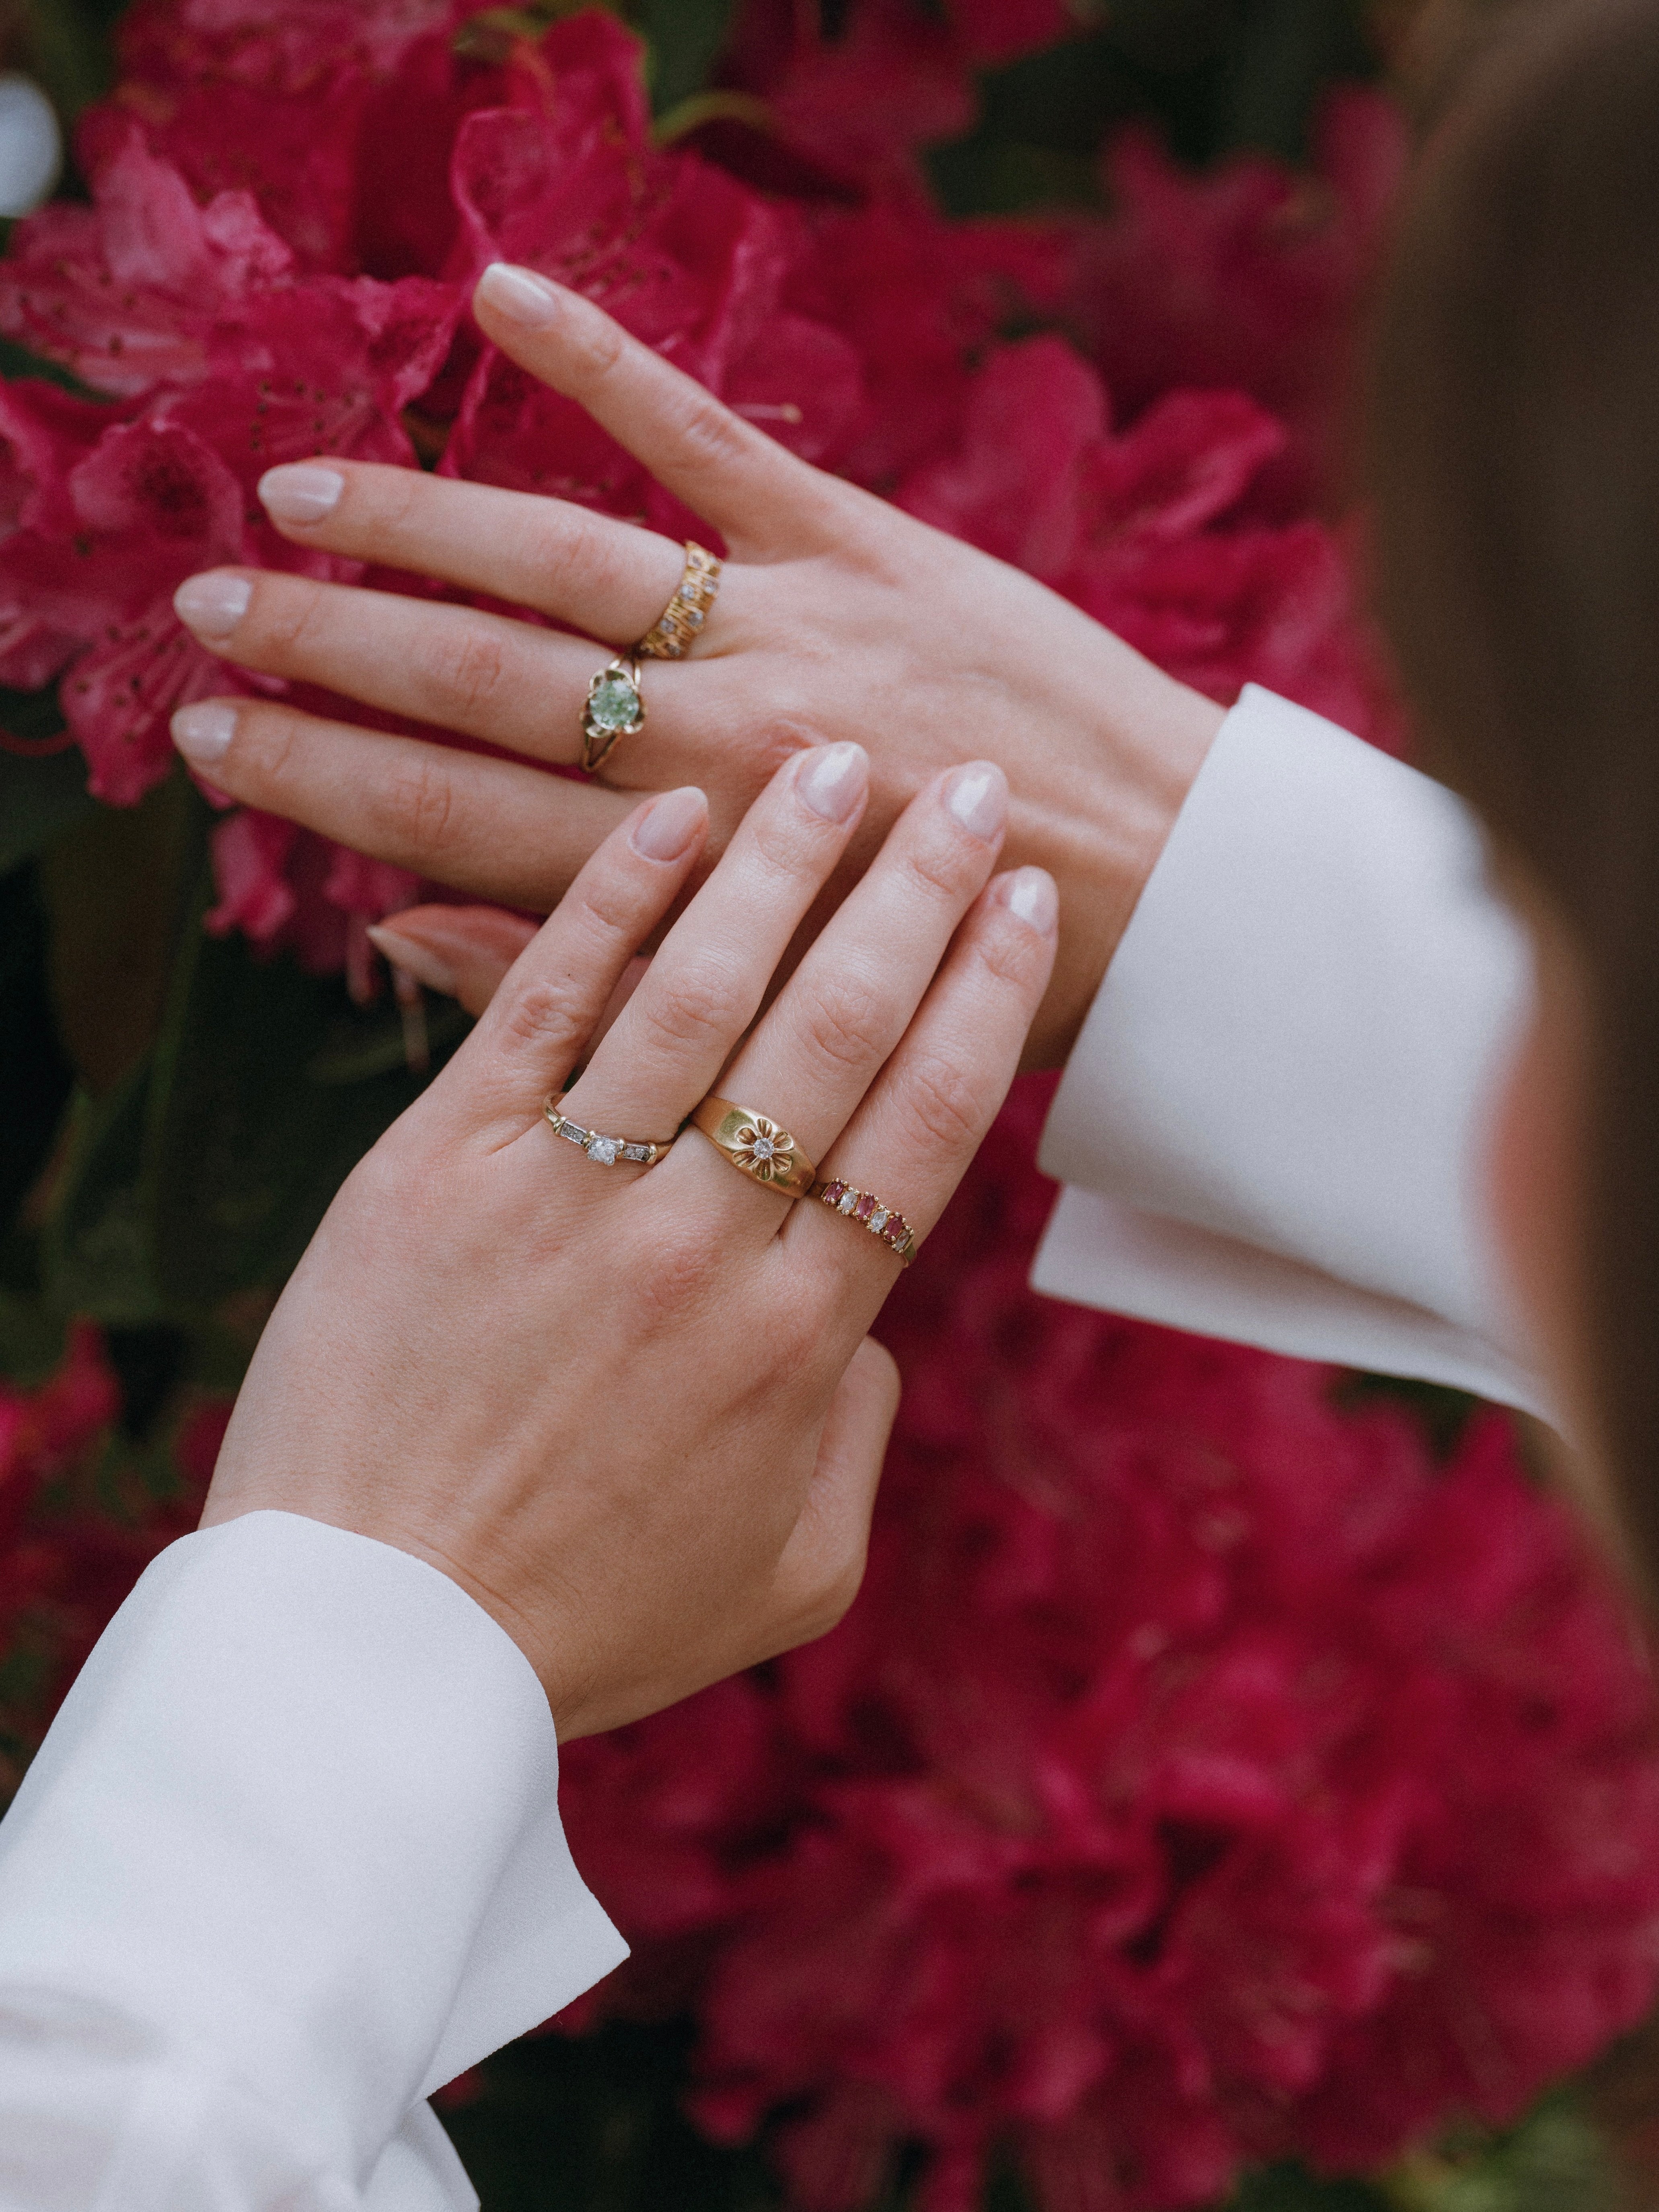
(605, 1151)
(755, 1146)
(614, 710)
(674, 632)
(890, 1229)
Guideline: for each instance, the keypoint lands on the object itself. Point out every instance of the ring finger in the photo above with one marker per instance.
(847, 1006)
(707, 982)
(455, 667)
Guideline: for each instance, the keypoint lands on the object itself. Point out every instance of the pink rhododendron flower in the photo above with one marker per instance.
(1202, 1775)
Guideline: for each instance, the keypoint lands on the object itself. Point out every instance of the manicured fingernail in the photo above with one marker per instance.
(977, 796)
(833, 780)
(1030, 894)
(301, 491)
(520, 296)
(202, 734)
(417, 960)
(669, 823)
(214, 604)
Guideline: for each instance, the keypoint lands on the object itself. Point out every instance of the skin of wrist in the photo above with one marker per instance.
(1099, 823)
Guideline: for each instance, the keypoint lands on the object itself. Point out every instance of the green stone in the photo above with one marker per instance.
(614, 703)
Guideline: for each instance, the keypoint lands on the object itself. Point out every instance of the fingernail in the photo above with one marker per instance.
(214, 604)
(417, 960)
(202, 733)
(301, 491)
(1030, 894)
(520, 296)
(669, 823)
(977, 796)
(833, 780)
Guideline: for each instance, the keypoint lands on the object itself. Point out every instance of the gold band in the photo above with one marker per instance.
(614, 710)
(675, 631)
(756, 1147)
(863, 1207)
(604, 1151)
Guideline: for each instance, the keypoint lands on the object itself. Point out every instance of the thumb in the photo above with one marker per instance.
(821, 1565)
(461, 950)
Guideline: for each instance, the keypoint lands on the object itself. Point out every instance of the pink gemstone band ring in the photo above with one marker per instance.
(865, 1207)
(604, 1151)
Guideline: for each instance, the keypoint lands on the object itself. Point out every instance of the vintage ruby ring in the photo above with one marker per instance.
(864, 1207)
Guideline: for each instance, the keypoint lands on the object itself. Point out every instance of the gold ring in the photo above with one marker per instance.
(756, 1147)
(863, 1207)
(674, 632)
(614, 709)
(605, 1151)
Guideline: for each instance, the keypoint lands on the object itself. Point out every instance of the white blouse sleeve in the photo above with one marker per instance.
(289, 1859)
(1272, 1124)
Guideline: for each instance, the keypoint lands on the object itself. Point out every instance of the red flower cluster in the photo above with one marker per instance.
(1202, 1775)
(66, 1561)
(290, 207)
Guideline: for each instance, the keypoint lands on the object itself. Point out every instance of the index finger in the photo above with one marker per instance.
(723, 468)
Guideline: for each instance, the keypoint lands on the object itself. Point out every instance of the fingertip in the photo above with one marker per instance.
(671, 825)
(1032, 896)
(202, 732)
(518, 296)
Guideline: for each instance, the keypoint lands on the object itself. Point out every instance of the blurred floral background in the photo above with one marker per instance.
(1235, 1784)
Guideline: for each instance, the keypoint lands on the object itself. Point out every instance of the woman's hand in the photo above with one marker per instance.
(634, 1410)
(839, 617)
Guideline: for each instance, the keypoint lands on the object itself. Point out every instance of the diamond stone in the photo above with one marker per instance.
(604, 1151)
(879, 1219)
(763, 1148)
(849, 1199)
(614, 703)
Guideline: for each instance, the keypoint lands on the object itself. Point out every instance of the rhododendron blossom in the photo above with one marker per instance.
(1205, 1774)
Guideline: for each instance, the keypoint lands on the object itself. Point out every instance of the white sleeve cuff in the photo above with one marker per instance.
(299, 1818)
(1275, 1116)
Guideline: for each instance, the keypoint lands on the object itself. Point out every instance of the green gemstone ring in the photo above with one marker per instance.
(614, 709)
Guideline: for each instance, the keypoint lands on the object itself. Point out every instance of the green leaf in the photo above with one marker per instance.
(246, 1146)
(31, 1339)
(38, 798)
(685, 38)
(98, 1249)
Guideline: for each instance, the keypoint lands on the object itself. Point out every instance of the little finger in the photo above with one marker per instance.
(497, 829)
(911, 1142)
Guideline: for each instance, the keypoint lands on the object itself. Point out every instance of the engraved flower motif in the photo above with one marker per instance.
(767, 1152)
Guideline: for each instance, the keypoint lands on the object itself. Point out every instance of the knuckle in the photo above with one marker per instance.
(1014, 956)
(466, 665)
(289, 611)
(603, 342)
(697, 1008)
(710, 435)
(419, 804)
(941, 1104)
(847, 1021)
(542, 1016)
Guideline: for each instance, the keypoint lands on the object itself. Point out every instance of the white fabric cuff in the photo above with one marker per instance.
(1274, 1117)
(301, 1807)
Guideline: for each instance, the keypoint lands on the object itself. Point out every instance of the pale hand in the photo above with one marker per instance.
(635, 1410)
(839, 617)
